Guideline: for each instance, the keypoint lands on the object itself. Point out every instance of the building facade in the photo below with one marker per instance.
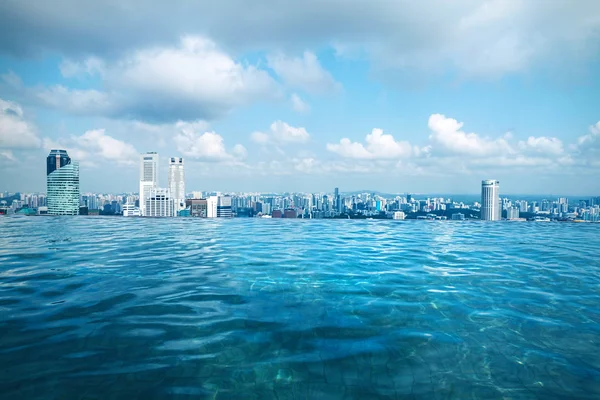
(160, 204)
(198, 207)
(177, 181)
(512, 213)
(490, 200)
(398, 215)
(130, 210)
(148, 177)
(62, 181)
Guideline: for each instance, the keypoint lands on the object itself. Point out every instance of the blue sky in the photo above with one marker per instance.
(399, 96)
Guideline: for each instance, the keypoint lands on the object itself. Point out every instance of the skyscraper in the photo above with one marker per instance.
(337, 200)
(490, 200)
(62, 179)
(177, 181)
(148, 177)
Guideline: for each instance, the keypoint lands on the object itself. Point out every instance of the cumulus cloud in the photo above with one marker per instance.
(543, 144)
(304, 73)
(192, 80)
(378, 146)
(15, 131)
(450, 148)
(298, 104)
(448, 136)
(207, 146)
(95, 145)
(281, 133)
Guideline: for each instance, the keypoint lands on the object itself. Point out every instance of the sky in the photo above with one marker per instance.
(396, 96)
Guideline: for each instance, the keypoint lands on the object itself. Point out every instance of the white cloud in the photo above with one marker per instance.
(239, 151)
(281, 133)
(190, 81)
(7, 155)
(15, 131)
(304, 73)
(590, 138)
(208, 145)
(447, 134)
(378, 146)
(90, 66)
(260, 137)
(95, 145)
(298, 104)
(107, 147)
(543, 144)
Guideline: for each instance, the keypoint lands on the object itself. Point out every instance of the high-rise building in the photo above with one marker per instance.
(337, 200)
(224, 207)
(512, 213)
(177, 181)
(62, 179)
(148, 177)
(56, 159)
(490, 200)
(159, 203)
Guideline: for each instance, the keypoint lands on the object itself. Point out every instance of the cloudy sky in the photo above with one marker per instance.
(399, 96)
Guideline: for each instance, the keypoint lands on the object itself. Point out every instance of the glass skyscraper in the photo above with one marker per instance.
(62, 177)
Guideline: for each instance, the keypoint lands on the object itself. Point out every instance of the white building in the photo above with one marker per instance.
(148, 177)
(218, 207)
(177, 181)
(63, 190)
(490, 200)
(130, 210)
(211, 206)
(160, 204)
(399, 215)
(512, 213)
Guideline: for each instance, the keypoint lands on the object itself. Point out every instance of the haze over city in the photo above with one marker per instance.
(384, 96)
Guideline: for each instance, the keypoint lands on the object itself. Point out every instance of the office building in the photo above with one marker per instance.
(458, 217)
(490, 200)
(159, 203)
(130, 210)
(177, 181)
(219, 207)
(290, 213)
(512, 213)
(198, 207)
(62, 180)
(148, 177)
(224, 207)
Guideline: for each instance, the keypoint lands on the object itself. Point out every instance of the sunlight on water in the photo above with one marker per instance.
(250, 308)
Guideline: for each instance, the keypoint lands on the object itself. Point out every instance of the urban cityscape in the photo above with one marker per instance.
(63, 197)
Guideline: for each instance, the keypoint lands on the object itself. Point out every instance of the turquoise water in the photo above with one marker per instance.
(102, 308)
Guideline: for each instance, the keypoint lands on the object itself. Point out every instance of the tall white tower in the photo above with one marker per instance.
(490, 200)
(148, 177)
(177, 181)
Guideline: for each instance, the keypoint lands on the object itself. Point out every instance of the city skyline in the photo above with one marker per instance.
(384, 96)
(63, 198)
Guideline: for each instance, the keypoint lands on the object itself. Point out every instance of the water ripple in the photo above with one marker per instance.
(250, 308)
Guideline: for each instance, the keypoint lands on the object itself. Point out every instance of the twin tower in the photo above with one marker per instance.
(156, 202)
